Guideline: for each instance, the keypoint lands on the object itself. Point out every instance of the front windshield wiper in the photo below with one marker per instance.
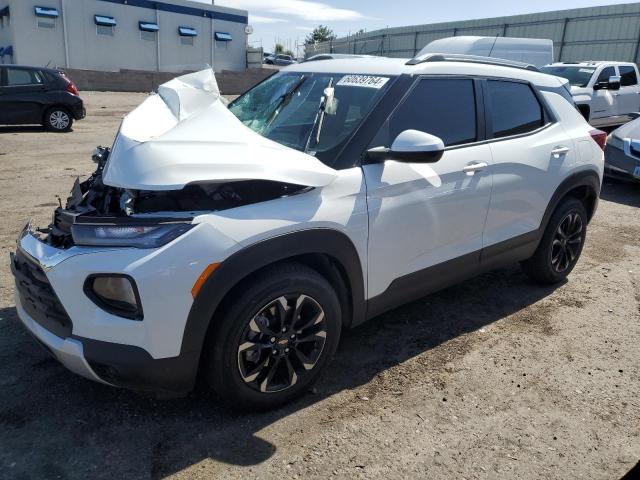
(319, 119)
(284, 100)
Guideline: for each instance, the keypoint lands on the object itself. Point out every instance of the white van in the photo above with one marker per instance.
(534, 51)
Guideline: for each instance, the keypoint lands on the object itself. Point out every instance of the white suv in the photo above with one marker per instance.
(238, 241)
(606, 93)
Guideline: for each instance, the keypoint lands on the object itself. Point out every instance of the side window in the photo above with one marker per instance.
(442, 107)
(628, 76)
(17, 77)
(514, 108)
(605, 74)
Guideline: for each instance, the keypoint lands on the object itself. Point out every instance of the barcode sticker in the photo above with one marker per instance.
(368, 81)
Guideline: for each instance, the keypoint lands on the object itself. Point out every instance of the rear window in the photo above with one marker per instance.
(514, 108)
(17, 77)
(628, 76)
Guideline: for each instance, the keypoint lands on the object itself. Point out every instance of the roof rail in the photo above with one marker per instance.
(454, 57)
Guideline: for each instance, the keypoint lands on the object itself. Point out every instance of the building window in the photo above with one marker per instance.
(46, 17)
(187, 35)
(105, 25)
(49, 23)
(148, 36)
(148, 31)
(104, 30)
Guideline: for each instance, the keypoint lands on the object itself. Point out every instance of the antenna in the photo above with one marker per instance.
(494, 44)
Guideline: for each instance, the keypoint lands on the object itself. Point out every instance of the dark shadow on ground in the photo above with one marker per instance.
(56, 424)
(22, 129)
(621, 191)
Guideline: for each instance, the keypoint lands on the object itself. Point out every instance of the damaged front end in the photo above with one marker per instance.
(92, 204)
(179, 155)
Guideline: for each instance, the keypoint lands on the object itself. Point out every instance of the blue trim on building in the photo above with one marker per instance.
(148, 26)
(105, 21)
(47, 12)
(222, 36)
(187, 32)
(168, 7)
(6, 51)
(4, 12)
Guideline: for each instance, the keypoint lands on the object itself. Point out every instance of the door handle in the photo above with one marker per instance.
(558, 151)
(474, 167)
(616, 94)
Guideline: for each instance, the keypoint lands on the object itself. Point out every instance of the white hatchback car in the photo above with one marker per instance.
(238, 241)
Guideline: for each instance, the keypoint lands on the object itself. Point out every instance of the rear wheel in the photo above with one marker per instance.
(58, 119)
(561, 244)
(274, 338)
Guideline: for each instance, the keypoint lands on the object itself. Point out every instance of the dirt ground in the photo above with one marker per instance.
(494, 378)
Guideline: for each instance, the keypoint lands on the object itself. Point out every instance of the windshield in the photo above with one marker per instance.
(285, 108)
(577, 76)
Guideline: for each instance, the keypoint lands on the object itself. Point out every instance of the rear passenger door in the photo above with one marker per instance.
(628, 97)
(531, 153)
(424, 214)
(22, 96)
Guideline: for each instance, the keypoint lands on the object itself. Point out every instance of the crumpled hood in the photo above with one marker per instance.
(185, 134)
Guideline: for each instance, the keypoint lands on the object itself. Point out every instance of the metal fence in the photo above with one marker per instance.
(595, 33)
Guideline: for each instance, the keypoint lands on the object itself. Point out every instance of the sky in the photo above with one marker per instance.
(289, 21)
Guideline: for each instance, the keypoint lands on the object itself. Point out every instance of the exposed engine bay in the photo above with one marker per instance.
(93, 202)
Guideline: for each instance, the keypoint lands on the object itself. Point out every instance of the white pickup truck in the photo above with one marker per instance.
(606, 93)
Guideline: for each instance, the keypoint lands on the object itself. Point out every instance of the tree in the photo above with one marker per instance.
(279, 48)
(289, 52)
(321, 33)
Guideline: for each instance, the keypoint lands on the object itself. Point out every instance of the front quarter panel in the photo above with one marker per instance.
(164, 278)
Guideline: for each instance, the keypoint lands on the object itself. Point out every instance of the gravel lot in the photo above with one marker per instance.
(494, 378)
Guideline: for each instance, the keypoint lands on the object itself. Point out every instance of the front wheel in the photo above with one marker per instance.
(561, 244)
(274, 338)
(58, 120)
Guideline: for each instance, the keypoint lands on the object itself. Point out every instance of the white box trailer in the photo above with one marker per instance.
(534, 51)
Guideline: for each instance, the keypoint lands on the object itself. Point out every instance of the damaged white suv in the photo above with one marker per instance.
(237, 241)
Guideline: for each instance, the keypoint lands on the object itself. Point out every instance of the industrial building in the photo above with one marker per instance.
(109, 35)
(595, 33)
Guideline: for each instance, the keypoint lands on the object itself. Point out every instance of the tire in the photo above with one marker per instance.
(58, 119)
(561, 244)
(250, 361)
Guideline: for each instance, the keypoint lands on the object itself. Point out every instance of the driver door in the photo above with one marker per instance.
(603, 102)
(423, 215)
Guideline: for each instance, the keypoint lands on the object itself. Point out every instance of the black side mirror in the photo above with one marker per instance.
(411, 146)
(613, 83)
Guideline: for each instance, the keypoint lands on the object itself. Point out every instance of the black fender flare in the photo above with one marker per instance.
(585, 178)
(266, 252)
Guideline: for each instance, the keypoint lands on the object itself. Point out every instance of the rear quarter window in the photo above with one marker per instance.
(514, 108)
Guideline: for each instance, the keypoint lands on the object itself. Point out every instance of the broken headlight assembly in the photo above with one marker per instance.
(137, 236)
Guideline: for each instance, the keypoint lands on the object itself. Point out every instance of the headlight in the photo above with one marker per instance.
(616, 142)
(138, 236)
(116, 294)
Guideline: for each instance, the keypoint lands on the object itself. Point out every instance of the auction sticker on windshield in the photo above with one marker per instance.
(368, 81)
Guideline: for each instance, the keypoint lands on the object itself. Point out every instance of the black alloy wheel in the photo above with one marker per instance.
(282, 343)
